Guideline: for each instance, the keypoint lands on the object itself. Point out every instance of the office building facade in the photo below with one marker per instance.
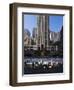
(43, 31)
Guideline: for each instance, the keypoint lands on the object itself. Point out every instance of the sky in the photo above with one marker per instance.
(55, 22)
(30, 21)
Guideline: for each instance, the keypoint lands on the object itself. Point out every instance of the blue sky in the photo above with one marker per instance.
(30, 21)
(55, 22)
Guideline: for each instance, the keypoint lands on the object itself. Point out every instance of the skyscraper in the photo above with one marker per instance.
(27, 39)
(34, 35)
(54, 36)
(43, 31)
